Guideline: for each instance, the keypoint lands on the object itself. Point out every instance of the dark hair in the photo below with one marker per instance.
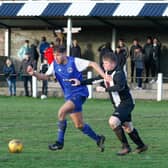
(43, 38)
(108, 45)
(110, 56)
(26, 41)
(121, 39)
(149, 37)
(52, 43)
(136, 40)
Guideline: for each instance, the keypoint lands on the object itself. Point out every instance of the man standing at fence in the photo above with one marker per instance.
(132, 56)
(27, 79)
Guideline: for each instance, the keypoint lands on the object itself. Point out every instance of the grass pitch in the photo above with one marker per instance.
(33, 121)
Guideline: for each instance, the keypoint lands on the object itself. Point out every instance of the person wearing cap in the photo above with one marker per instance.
(27, 61)
(64, 68)
(121, 119)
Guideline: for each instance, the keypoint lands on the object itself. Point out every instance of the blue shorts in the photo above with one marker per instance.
(78, 101)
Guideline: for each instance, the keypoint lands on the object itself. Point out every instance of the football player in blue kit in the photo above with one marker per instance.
(65, 68)
(121, 119)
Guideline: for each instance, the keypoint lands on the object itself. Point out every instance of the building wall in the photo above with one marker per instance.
(95, 36)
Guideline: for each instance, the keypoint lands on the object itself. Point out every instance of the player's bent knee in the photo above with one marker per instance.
(114, 122)
(79, 126)
(128, 127)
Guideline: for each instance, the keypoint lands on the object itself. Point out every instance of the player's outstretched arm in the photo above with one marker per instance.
(91, 81)
(39, 76)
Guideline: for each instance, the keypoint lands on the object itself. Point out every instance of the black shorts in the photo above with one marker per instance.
(123, 112)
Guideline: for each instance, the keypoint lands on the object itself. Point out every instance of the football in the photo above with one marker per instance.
(43, 97)
(15, 146)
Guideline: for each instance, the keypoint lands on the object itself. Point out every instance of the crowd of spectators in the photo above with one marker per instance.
(143, 60)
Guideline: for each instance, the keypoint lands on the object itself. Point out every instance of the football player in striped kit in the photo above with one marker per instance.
(120, 121)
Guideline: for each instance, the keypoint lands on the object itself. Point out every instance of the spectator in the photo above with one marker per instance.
(123, 47)
(147, 51)
(125, 52)
(43, 69)
(155, 61)
(43, 46)
(139, 65)
(59, 37)
(34, 53)
(10, 74)
(27, 61)
(104, 48)
(49, 53)
(57, 43)
(121, 58)
(132, 56)
(23, 50)
(88, 52)
(75, 49)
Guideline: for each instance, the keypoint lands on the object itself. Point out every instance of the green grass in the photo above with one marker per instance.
(34, 122)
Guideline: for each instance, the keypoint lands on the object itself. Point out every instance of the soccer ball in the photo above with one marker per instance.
(43, 97)
(15, 146)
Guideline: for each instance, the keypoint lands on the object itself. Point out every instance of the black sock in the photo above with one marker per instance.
(136, 138)
(121, 136)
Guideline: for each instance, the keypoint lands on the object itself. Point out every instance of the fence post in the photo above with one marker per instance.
(34, 86)
(159, 86)
(89, 75)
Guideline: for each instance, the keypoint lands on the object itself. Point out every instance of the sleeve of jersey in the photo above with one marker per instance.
(50, 70)
(92, 81)
(81, 64)
(119, 80)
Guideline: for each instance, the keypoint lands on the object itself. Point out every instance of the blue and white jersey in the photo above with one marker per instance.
(72, 69)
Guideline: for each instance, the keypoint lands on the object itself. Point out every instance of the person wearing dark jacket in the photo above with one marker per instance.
(120, 53)
(132, 56)
(155, 61)
(147, 51)
(34, 53)
(10, 75)
(120, 121)
(125, 52)
(139, 66)
(43, 46)
(75, 49)
(27, 61)
(43, 69)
